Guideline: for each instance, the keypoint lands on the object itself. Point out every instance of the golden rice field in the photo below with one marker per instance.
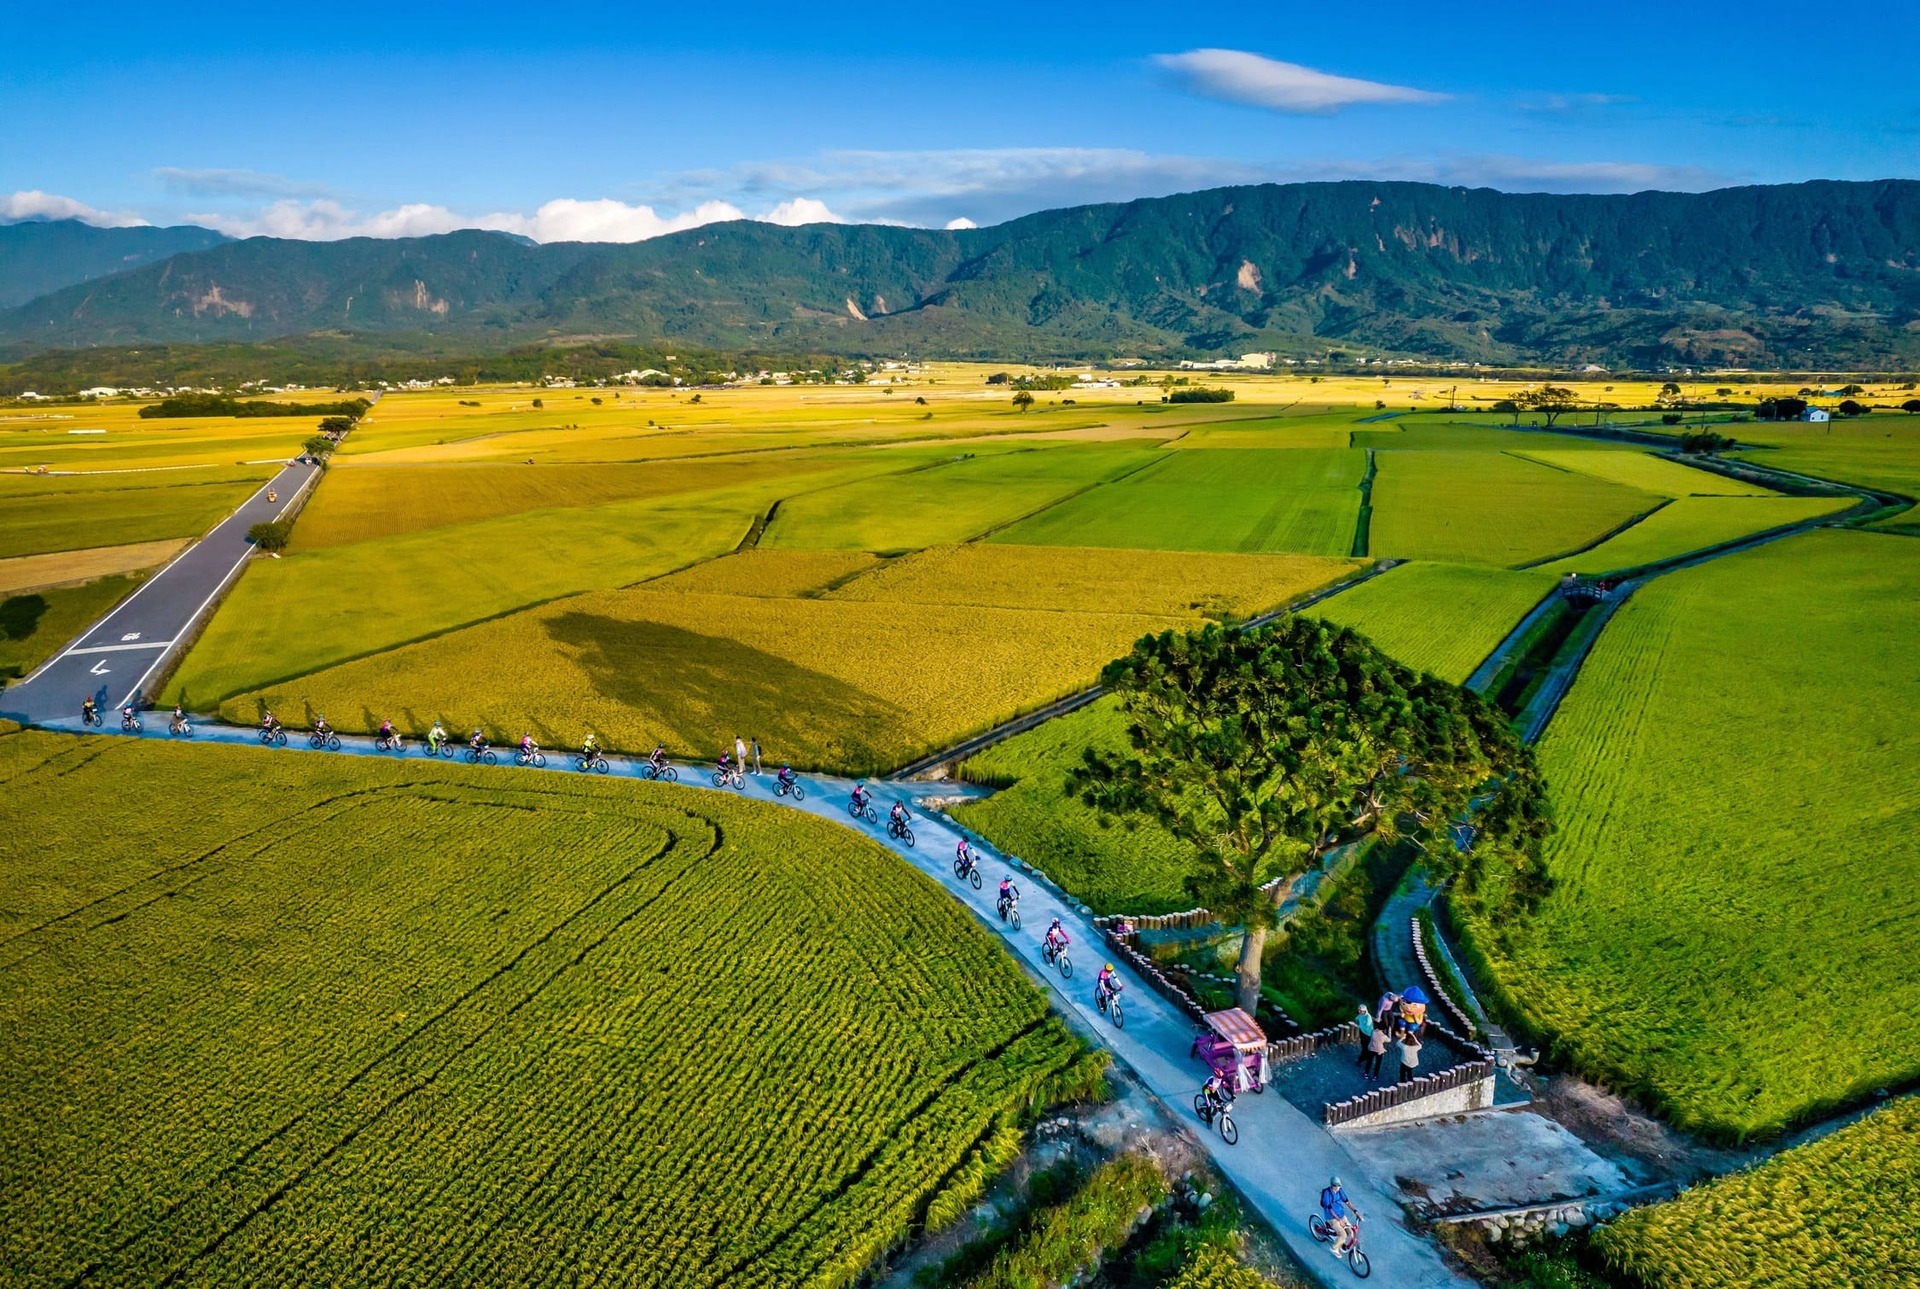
(860, 686)
(329, 1020)
(1093, 580)
(1837, 1212)
(777, 573)
(1691, 524)
(69, 568)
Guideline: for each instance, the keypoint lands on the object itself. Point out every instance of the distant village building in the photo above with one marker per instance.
(1816, 414)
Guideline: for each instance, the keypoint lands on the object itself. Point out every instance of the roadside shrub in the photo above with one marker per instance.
(1200, 394)
(271, 537)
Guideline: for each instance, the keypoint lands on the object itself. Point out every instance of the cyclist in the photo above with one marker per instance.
(658, 759)
(179, 718)
(725, 768)
(1009, 894)
(1219, 1090)
(268, 723)
(590, 750)
(1056, 936)
(786, 777)
(1341, 1213)
(963, 855)
(1107, 984)
(89, 710)
(321, 727)
(861, 798)
(528, 747)
(436, 736)
(479, 740)
(386, 731)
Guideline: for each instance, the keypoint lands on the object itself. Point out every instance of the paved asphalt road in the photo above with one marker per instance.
(117, 655)
(1283, 1156)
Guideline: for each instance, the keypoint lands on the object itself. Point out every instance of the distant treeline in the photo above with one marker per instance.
(1200, 396)
(221, 405)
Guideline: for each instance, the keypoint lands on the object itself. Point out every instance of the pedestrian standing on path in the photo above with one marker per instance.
(1409, 1057)
(1363, 1021)
(1383, 1014)
(1376, 1051)
(740, 755)
(756, 756)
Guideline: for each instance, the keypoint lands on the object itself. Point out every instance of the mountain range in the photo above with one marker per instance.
(1801, 275)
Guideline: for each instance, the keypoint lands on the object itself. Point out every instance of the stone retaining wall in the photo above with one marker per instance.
(1460, 1090)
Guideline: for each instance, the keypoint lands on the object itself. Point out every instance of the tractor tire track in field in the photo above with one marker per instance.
(358, 1104)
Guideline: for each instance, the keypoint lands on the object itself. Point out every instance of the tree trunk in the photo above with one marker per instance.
(1252, 942)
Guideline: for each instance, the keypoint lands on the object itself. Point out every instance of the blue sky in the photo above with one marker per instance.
(593, 121)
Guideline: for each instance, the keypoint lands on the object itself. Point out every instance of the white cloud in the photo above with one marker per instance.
(34, 204)
(962, 222)
(1257, 81)
(605, 220)
(796, 211)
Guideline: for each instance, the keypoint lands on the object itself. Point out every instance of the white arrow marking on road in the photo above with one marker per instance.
(100, 668)
(131, 635)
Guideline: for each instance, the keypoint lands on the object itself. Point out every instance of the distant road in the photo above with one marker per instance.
(116, 657)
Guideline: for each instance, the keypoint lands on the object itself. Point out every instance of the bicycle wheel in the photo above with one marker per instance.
(1357, 1261)
(489, 757)
(1013, 916)
(1229, 1133)
(539, 760)
(1119, 1016)
(333, 743)
(670, 774)
(799, 793)
(906, 835)
(1066, 965)
(719, 779)
(974, 877)
(1200, 1105)
(1318, 1229)
(960, 868)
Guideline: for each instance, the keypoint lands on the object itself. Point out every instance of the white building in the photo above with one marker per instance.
(1816, 414)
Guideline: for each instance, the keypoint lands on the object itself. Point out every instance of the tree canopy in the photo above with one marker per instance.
(1264, 749)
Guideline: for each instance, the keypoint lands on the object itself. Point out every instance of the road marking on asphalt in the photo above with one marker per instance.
(131, 635)
(121, 648)
(99, 668)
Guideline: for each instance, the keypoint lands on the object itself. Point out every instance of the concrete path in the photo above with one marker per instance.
(116, 656)
(1283, 1157)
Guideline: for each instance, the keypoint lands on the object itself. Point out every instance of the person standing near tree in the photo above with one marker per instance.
(1363, 1021)
(740, 753)
(756, 756)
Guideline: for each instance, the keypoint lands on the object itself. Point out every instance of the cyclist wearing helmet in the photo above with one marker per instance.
(479, 740)
(1056, 936)
(1108, 984)
(786, 776)
(1009, 893)
(1341, 1214)
(436, 736)
(963, 855)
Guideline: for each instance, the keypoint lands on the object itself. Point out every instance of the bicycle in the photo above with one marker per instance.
(481, 756)
(863, 810)
(443, 748)
(180, 727)
(1108, 1001)
(596, 763)
(789, 788)
(662, 772)
(1056, 956)
(91, 717)
(130, 724)
(1009, 911)
(735, 779)
(275, 737)
(967, 869)
(898, 830)
(391, 743)
(538, 760)
(1322, 1231)
(329, 741)
(1217, 1115)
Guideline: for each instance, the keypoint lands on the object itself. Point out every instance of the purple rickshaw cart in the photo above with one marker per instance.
(1233, 1045)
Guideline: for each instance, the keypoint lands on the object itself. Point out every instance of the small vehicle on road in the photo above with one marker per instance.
(276, 736)
(390, 742)
(898, 829)
(1056, 956)
(727, 776)
(180, 727)
(1008, 907)
(789, 787)
(536, 758)
(661, 771)
(1107, 998)
(966, 866)
(1322, 1231)
(861, 807)
(324, 739)
(90, 715)
(596, 763)
(481, 756)
(129, 722)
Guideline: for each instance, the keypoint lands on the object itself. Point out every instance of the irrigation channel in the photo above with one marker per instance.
(1283, 1157)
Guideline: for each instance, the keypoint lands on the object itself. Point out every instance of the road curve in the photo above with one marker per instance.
(1283, 1157)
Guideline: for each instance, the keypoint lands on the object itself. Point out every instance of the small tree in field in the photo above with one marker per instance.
(1551, 401)
(1264, 749)
(1510, 406)
(271, 537)
(1023, 400)
(318, 445)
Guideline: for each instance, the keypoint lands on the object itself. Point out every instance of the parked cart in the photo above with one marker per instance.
(1234, 1044)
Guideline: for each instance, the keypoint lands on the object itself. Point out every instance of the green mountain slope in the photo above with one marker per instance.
(1755, 276)
(38, 256)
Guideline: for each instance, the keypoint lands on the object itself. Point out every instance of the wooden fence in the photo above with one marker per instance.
(1433, 978)
(1301, 1046)
(1400, 1094)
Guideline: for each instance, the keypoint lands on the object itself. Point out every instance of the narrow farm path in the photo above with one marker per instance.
(1283, 1157)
